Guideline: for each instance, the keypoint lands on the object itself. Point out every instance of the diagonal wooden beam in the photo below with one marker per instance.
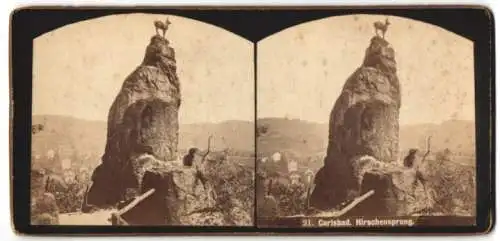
(347, 208)
(338, 213)
(136, 201)
(117, 220)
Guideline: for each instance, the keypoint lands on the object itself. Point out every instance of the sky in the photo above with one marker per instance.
(301, 70)
(79, 69)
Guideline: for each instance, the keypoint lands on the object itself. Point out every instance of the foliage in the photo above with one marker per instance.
(233, 186)
(291, 198)
(71, 199)
(453, 185)
(450, 185)
(68, 194)
(262, 130)
(44, 209)
(44, 219)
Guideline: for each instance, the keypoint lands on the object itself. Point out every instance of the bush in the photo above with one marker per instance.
(44, 219)
(68, 195)
(453, 186)
(71, 199)
(233, 186)
(44, 210)
(290, 198)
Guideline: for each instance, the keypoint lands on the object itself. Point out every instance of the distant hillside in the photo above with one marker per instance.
(291, 135)
(90, 136)
(304, 138)
(238, 135)
(69, 133)
(297, 137)
(457, 135)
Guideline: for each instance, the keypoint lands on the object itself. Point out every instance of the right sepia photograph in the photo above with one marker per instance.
(365, 120)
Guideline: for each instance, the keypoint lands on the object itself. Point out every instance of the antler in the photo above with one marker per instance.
(428, 148)
(208, 148)
(209, 143)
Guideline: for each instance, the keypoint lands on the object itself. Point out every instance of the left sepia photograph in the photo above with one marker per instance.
(142, 119)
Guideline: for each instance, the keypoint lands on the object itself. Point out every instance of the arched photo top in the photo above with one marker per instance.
(310, 62)
(87, 62)
(360, 19)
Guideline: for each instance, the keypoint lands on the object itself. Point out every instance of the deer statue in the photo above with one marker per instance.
(159, 25)
(382, 27)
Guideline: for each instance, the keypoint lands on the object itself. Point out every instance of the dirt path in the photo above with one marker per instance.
(96, 218)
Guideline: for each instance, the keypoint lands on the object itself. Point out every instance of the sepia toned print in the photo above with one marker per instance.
(142, 119)
(365, 121)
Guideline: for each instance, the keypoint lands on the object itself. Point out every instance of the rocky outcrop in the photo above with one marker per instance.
(364, 121)
(140, 152)
(181, 198)
(143, 119)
